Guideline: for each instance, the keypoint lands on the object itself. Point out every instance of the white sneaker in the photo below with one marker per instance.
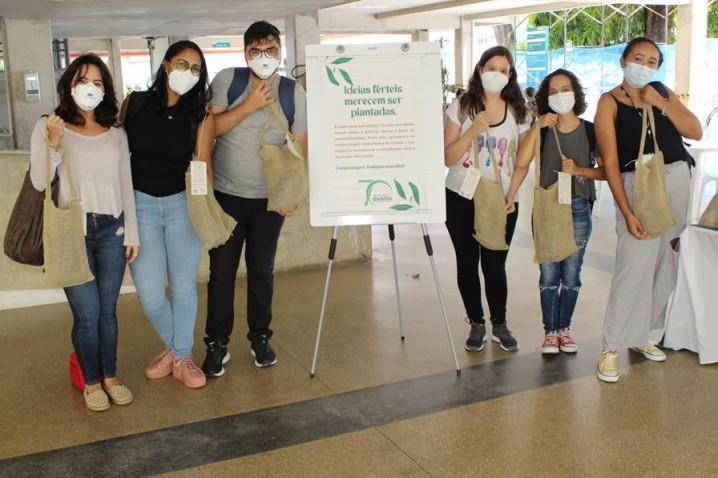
(652, 353)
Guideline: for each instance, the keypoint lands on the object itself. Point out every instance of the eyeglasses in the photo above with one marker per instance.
(183, 65)
(255, 53)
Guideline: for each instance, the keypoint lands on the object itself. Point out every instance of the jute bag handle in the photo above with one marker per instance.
(48, 183)
(648, 112)
(274, 117)
(537, 152)
(201, 134)
(490, 146)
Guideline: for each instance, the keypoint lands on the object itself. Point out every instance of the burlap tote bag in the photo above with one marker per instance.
(284, 167)
(490, 206)
(709, 218)
(63, 235)
(650, 198)
(212, 224)
(552, 222)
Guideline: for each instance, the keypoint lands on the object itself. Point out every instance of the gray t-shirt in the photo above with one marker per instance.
(575, 145)
(237, 166)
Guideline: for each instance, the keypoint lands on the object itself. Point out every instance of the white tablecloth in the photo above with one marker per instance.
(692, 321)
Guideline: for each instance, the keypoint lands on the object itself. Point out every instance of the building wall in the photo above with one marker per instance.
(300, 245)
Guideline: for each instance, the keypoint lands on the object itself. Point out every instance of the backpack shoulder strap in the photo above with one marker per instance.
(240, 80)
(286, 98)
(591, 134)
(134, 105)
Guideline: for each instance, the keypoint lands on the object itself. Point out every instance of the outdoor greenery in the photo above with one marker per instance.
(713, 20)
(587, 27)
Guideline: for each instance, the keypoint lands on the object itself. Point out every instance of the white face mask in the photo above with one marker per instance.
(637, 75)
(493, 81)
(182, 81)
(264, 66)
(562, 103)
(87, 96)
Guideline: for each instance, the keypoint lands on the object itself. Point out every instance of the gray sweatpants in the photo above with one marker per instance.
(645, 271)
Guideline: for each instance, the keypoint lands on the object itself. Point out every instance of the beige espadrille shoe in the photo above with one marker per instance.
(96, 401)
(120, 394)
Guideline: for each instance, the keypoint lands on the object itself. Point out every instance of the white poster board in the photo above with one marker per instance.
(375, 126)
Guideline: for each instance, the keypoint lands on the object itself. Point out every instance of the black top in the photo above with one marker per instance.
(161, 146)
(628, 137)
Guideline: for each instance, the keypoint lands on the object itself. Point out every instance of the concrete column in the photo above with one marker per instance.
(113, 46)
(690, 51)
(158, 47)
(420, 35)
(463, 44)
(301, 30)
(28, 47)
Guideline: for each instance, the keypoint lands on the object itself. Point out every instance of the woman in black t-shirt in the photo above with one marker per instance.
(645, 268)
(163, 126)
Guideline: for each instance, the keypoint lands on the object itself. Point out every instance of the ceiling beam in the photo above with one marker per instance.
(427, 8)
(542, 7)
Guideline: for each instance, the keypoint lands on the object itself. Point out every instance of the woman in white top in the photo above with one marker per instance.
(83, 131)
(492, 107)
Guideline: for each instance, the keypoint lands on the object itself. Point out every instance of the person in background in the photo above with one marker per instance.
(83, 131)
(492, 107)
(530, 94)
(163, 126)
(646, 268)
(560, 100)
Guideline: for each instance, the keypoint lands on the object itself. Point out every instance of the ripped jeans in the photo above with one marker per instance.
(560, 282)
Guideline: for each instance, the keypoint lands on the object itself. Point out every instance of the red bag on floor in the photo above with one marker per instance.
(76, 376)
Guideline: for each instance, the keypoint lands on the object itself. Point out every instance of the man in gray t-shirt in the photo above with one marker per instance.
(241, 190)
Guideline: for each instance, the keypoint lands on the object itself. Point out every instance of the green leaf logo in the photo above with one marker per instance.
(402, 207)
(415, 193)
(334, 71)
(331, 76)
(346, 76)
(400, 190)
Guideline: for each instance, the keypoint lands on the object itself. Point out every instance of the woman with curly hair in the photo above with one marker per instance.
(492, 107)
(560, 100)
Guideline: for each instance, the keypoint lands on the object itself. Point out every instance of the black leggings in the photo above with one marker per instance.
(460, 223)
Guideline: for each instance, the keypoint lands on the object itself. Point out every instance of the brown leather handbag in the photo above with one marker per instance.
(23, 235)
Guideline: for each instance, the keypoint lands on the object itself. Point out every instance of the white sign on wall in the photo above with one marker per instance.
(375, 127)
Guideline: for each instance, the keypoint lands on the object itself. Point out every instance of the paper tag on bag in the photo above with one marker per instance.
(198, 178)
(293, 146)
(646, 157)
(564, 188)
(471, 181)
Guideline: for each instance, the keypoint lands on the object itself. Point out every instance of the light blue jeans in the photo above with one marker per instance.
(170, 252)
(560, 282)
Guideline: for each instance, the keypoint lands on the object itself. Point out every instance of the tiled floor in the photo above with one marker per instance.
(377, 406)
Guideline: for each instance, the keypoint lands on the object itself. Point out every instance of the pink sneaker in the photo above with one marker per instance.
(189, 373)
(161, 365)
(550, 344)
(567, 344)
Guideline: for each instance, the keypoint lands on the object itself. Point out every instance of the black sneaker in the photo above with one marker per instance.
(263, 353)
(217, 357)
(477, 336)
(502, 336)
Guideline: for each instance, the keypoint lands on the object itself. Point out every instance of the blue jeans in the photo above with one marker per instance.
(170, 252)
(94, 304)
(560, 282)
